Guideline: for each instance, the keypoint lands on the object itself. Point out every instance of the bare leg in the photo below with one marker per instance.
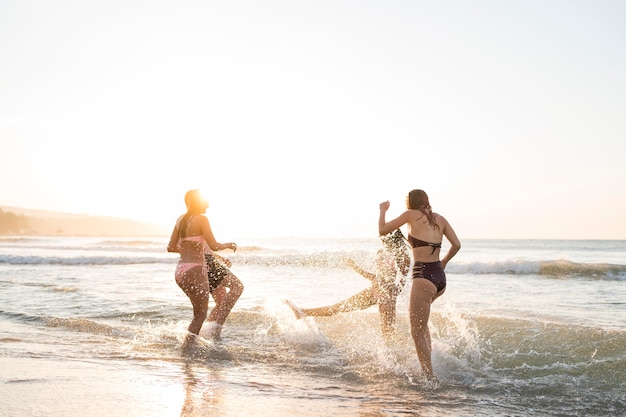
(218, 296)
(196, 286)
(387, 310)
(422, 294)
(430, 344)
(359, 301)
(225, 301)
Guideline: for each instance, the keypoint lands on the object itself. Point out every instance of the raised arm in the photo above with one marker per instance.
(385, 227)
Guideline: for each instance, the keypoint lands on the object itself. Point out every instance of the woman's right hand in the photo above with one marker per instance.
(384, 206)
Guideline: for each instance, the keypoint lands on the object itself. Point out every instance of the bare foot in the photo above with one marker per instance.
(296, 311)
(213, 331)
(189, 344)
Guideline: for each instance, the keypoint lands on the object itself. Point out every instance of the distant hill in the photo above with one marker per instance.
(21, 221)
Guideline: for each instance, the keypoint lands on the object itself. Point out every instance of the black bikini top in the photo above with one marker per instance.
(416, 243)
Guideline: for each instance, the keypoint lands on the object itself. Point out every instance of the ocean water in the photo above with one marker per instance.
(93, 326)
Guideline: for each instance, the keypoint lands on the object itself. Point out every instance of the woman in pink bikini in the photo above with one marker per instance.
(425, 233)
(193, 238)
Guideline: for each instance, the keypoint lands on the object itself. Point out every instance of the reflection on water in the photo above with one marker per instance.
(200, 398)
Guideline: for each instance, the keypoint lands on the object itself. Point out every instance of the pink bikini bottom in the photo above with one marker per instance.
(183, 267)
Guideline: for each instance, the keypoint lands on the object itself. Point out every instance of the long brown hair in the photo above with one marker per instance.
(418, 200)
(192, 199)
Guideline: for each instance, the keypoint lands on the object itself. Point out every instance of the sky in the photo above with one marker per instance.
(297, 118)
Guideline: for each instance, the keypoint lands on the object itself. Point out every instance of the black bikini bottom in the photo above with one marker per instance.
(432, 271)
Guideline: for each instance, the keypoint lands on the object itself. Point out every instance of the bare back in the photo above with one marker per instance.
(193, 245)
(419, 228)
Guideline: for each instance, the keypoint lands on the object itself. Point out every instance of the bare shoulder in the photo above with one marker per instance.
(413, 215)
(200, 218)
(178, 220)
(198, 223)
(440, 220)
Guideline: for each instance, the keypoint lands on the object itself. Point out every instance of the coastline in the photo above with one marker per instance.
(39, 223)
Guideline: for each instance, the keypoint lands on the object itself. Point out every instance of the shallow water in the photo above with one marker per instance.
(95, 326)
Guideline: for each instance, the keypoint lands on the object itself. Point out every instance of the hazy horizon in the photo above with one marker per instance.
(167, 228)
(298, 119)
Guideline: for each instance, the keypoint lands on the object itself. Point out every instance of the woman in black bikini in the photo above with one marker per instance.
(425, 233)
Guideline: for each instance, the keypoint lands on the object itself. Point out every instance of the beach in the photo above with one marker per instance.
(94, 326)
